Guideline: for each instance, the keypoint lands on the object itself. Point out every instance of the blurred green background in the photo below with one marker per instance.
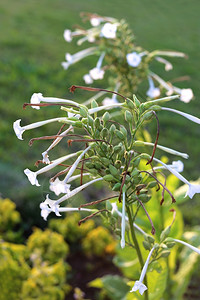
(32, 48)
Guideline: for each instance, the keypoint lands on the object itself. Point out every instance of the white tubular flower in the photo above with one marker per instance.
(20, 129)
(88, 79)
(72, 59)
(49, 206)
(55, 142)
(192, 188)
(77, 190)
(32, 176)
(176, 165)
(109, 31)
(187, 116)
(168, 65)
(138, 284)
(59, 187)
(166, 149)
(75, 164)
(185, 94)
(133, 59)
(115, 209)
(104, 107)
(168, 53)
(67, 35)
(97, 73)
(152, 92)
(197, 250)
(123, 222)
(37, 98)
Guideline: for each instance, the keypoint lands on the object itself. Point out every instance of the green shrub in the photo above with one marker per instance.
(9, 218)
(70, 229)
(105, 245)
(46, 282)
(47, 246)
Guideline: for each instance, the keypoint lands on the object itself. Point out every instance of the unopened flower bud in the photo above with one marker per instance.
(113, 170)
(137, 102)
(120, 135)
(106, 117)
(83, 112)
(165, 254)
(130, 103)
(128, 116)
(152, 184)
(109, 178)
(165, 233)
(146, 245)
(116, 187)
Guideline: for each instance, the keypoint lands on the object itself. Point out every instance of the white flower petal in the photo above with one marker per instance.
(18, 129)
(139, 286)
(109, 30)
(133, 59)
(88, 79)
(67, 35)
(36, 99)
(32, 177)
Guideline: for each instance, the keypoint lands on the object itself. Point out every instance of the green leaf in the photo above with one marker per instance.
(115, 287)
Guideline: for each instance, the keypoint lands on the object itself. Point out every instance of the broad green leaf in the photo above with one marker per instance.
(96, 283)
(115, 287)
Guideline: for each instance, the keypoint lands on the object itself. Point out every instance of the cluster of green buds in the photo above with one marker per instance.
(128, 64)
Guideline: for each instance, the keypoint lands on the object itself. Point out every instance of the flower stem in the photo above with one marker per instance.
(137, 248)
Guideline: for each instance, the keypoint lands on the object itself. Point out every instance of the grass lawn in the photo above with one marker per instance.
(32, 48)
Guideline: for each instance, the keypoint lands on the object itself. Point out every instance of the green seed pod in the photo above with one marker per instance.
(84, 120)
(165, 233)
(94, 104)
(144, 197)
(83, 112)
(170, 244)
(150, 238)
(152, 184)
(105, 161)
(128, 179)
(113, 170)
(78, 124)
(118, 164)
(117, 187)
(128, 116)
(133, 198)
(135, 172)
(136, 162)
(156, 108)
(123, 130)
(137, 102)
(145, 156)
(147, 246)
(165, 253)
(143, 191)
(104, 133)
(109, 178)
(90, 121)
(120, 135)
(138, 179)
(117, 149)
(112, 129)
(130, 103)
(147, 116)
(89, 165)
(97, 123)
(93, 171)
(106, 117)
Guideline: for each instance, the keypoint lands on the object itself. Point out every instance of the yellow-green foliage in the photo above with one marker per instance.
(13, 270)
(99, 242)
(9, 218)
(46, 282)
(47, 245)
(70, 229)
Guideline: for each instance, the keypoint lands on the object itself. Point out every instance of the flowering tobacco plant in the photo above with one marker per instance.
(110, 154)
(128, 64)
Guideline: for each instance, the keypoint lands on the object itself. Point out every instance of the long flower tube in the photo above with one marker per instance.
(72, 59)
(36, 98)
(19, 130)
(139, 285)
(197, 250)
(185, 115)
(104, 107)
(97, 72)
(168, 65)
(75, 164)
(32, 176)
(166, 149)
(192, 188)
(76, 191)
